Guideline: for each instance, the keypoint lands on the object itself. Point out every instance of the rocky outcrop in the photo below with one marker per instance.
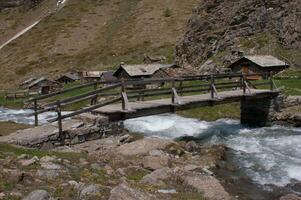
(290, 113)
(217, 25)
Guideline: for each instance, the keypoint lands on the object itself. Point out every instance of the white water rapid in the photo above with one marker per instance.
(21, 116)
(269, 155)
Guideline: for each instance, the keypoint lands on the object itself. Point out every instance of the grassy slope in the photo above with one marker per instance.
(95, 34)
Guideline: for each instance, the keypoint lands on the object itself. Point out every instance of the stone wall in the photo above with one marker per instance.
(260, 111)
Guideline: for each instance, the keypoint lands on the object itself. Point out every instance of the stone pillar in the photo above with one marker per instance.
(259, 110)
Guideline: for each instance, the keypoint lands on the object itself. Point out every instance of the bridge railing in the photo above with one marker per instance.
(106, 93)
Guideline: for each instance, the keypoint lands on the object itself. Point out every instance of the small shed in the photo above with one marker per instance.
(89, 76)
(44, 86)
(68, 78)
(141, 71)
(258, 64)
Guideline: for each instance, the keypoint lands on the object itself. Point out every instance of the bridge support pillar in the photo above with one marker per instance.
(259, 111)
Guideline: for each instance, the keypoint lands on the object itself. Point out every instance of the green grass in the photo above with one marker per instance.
(213, 113)
(289, 86)
(11, 103)
(6, 148)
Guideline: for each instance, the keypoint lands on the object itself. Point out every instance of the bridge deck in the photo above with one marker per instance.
(144, 108)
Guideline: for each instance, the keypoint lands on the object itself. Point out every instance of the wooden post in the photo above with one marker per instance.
(181, 88)
(60, 126)
(243, 84)
(36, 119)
(211, 87)
(172, 93)
(271, 81)
(95, 86)
(125, 101)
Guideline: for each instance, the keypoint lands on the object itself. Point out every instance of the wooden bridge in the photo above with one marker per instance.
(124, 99)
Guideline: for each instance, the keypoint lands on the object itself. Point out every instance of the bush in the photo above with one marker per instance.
(167, 12)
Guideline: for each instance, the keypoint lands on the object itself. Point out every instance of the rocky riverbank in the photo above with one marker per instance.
(120, 167)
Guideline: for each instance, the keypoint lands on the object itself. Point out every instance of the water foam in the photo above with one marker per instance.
(269, 155)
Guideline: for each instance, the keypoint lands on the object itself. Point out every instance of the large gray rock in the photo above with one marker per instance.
(38, 195)
(208, 186)
(143, 146)
(124, 192)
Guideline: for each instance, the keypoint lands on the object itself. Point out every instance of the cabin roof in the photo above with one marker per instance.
(92, 74)
(40, 80)
(263, 61)
(70, 76)
(142, 69)
(28, 81)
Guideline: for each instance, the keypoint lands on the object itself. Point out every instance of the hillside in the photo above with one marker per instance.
(91, 34)
(218, 29)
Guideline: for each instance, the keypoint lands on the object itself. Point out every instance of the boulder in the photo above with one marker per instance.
(38, 195)
(88, 191)
(157, 177)
(208, 186)
(156, 162)
(124, 192)
(143, 146)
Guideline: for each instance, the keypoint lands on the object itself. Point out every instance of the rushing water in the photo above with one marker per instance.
(268, 156)
(21, 116)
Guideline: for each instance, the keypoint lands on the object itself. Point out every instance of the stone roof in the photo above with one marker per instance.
(142, 69)
(265, 60)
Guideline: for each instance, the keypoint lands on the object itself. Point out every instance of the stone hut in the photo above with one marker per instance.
(141, 71)
(258, 64)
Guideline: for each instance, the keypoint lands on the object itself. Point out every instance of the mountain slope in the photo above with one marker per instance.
(96, 34)
(217, 28)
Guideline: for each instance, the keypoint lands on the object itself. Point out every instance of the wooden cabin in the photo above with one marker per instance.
(68, 78)
(44, 86)
(141, 71)
(258, 64)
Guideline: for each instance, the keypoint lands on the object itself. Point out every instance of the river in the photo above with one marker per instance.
(270, 156)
